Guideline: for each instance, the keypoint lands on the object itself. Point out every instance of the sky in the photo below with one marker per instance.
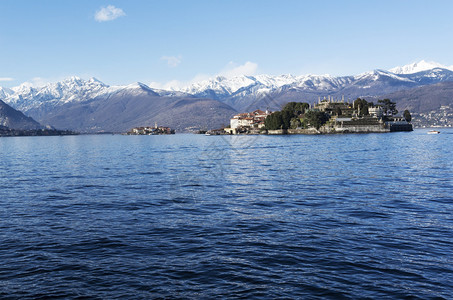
(173, 42)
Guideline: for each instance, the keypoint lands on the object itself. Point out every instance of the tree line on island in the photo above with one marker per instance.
(299, 115)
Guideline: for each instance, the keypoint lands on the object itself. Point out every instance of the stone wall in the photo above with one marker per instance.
(278, 131)
(361, 129)
(304, 131)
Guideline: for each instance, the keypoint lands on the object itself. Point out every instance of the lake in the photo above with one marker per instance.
(194, 216)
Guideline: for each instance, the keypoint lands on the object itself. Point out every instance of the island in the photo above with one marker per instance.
(147, 130)
(326, 116)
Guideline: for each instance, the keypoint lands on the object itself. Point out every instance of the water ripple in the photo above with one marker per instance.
(336, 217)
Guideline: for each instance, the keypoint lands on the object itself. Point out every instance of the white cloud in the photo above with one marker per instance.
(173, 84)
(172, 61)
(38, 82)
(6, 79)
(230, 70)
(41, 81)
(178, 84)
(233, 69)
(108, 13)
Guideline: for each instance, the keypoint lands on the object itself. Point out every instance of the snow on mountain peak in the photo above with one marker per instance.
(220, 84)
(95, 80)
(26, 96)
(137, 86)
(417, 67)
(74, 78)
(5, 92)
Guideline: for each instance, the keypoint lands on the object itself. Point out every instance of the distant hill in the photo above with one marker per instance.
(424, 99)
(14, 119)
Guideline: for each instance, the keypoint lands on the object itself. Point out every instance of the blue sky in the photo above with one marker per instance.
(163, 41)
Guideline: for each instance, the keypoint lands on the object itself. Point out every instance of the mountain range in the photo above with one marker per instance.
(250, 92)
(93, 106)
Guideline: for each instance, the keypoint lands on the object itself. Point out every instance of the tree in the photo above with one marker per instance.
(407, 115)
(316, 118)
(362, 106)
(295, 122)
(388, 106)
(296, 108)
(274, 121)
(286, 119)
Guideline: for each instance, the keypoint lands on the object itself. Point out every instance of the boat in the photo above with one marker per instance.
(433, 132)
(207, 133)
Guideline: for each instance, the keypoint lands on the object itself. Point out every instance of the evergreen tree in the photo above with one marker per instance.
(296, 108)
(362, 106)
(388, 106)
(407, 115)
(316, 118)
(286, 119)
(274, 121)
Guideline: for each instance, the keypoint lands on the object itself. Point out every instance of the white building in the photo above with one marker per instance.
(254, 119)
(376, 111)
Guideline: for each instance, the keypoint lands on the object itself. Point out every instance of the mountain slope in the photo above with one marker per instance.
(424, 99)
(128, 108)
(14, 119)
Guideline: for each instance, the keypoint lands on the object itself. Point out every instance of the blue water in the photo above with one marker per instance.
(193, 216)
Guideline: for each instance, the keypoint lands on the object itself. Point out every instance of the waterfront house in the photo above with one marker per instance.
(247, 121)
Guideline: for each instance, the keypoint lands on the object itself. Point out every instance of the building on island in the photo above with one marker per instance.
(334, 107)
(148, 130)
(376, 111)
(247, 122)
(344, 117)
(328, 115)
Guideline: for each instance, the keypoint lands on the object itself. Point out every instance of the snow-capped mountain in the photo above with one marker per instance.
(26, 97)
(221, 87)
(92, 106)
(238, 91)
(418, 67)
(241, 92)
(5, 92)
